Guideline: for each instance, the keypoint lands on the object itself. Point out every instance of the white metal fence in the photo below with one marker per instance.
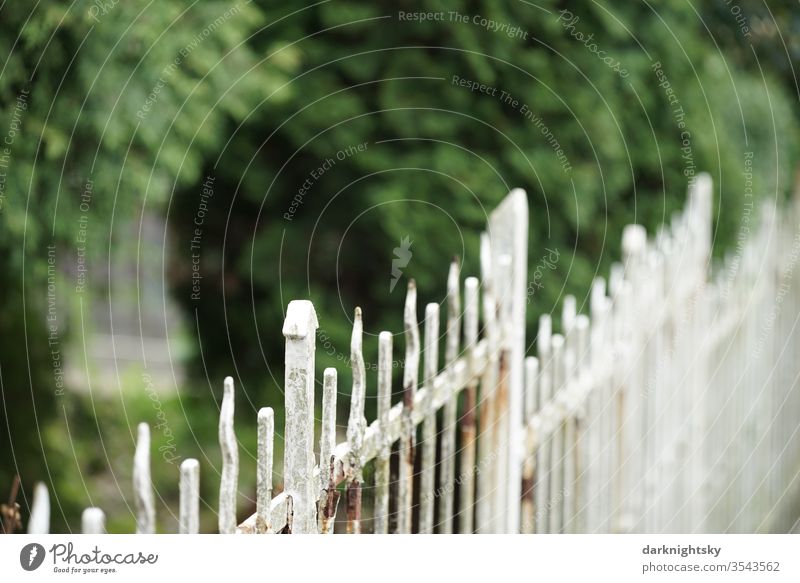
(672, 406)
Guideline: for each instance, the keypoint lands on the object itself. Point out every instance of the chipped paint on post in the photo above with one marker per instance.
(428, 462)
(329, 496)
(384, 405)
(410, 379)
(266, 435)
(300, 328)
(356, 425)
(508, 227)
(230, 462)
(451, 405)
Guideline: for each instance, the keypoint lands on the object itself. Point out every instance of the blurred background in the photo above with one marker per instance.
(174, 173)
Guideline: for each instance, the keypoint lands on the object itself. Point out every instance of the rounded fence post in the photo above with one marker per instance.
(93, 521)
(189, 521)
(142, 483)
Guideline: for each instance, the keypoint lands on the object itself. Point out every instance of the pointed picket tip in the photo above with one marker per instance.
(356, 423)
(410, 308)
(358, 330)
(301, 319)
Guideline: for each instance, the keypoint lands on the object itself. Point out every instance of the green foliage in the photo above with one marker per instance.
(439, 157)
(112, 109)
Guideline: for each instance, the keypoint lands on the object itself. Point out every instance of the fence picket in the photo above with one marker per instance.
(266, 436)
(557, 439)
(487, 446)
(189, 517)
(528, 524)
(451, 405)
(142, 483)
(509, 232)
(356, 426)
(230, 462)
(580, 462)
(566, 501)
(430, 367)
(39, 521)
(383, 459)
(329, 496)
(299, 329)
(502, 411)
(468, 425)
(543, 435)
(408, 440)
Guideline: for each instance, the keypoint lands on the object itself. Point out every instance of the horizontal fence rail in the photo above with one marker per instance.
(672, 405)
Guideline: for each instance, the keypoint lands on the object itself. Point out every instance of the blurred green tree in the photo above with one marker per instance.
(107, 107)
